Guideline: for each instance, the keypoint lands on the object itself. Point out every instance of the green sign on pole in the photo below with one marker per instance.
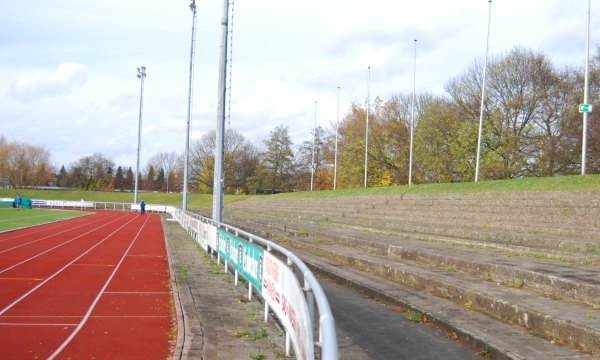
(585, 108)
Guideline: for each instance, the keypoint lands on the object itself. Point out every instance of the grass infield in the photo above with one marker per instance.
(17, 218)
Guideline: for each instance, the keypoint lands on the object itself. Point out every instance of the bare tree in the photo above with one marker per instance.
(241, 161)
(169, 163)
(526, 117)
(24, 165)
(91, 172)
(304, 158)
(278, 159)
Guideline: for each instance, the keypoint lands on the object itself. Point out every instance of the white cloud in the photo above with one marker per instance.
(81, 122)
(32, 86)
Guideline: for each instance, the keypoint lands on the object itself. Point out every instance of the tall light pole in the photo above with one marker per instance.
(189, 114)
(367, 128)
(487, 48)
(217, 210)
(412, 117)
(585, 95)
(337, 128)
(313, 165)
(141, 75)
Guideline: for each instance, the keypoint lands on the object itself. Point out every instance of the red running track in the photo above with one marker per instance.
(96, 287)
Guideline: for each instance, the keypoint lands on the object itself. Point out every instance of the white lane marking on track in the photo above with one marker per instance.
(89, 312)
(40, 316)
(45, 237)
(62, 269)
(150, 256)
(32, 324)
(139, 292)
(57, 246)
(100, 265)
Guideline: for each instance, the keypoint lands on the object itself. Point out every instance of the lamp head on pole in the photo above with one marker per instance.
(141, 72)
(193, 6)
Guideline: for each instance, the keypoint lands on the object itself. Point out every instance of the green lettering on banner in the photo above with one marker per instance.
(245, 257)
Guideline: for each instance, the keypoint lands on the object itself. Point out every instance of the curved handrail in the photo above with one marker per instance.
(327, 334)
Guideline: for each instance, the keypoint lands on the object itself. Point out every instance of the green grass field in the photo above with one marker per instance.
(575, 182)
(13, 219)
(587, 182)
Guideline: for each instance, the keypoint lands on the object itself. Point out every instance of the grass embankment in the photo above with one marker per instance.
(572, 183)
(576, 182)
(17, 218)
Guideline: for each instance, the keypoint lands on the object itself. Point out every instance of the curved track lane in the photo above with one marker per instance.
(98, 289)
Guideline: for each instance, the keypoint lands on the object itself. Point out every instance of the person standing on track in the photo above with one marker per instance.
(142, 208)
(19, 202)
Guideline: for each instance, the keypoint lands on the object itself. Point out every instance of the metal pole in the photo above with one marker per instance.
(367, 128)
(487, 47)
(217, 211)
(585, 95)
(189, 115)
(141, 75)
(337, 127)
(313, 165)
(412, 118)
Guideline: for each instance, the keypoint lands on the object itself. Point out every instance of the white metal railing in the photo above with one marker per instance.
(313, 293)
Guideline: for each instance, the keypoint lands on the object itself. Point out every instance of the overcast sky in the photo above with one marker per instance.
(68, 67)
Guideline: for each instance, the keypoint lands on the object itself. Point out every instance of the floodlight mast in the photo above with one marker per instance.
(189, 114)
(337, 130)
(412, 117)
(367, 128)
(487, 49)
(585, 96)
(217, 210)
(141, 75)
(313, 165)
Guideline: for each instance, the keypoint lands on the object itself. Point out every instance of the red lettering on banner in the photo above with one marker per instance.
(290, 313)
(272, 268)
(271, 290)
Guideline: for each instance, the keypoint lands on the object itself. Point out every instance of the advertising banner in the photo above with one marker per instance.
(285, 296)
(192, 223)
(150, 208)
(245, 257)
(62, 204)
(202, 229)
(212, 236)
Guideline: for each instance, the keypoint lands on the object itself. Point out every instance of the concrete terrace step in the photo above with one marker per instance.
(581, 222)
(552, 278)
(584, 221)
(427, 230)
(585, 224)
(525, 262)
(579, 203)
(504, 341)
(578, 283)
(506, 233)
(572, 201)
(397, 204)
(546, 249)
(574, 324)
